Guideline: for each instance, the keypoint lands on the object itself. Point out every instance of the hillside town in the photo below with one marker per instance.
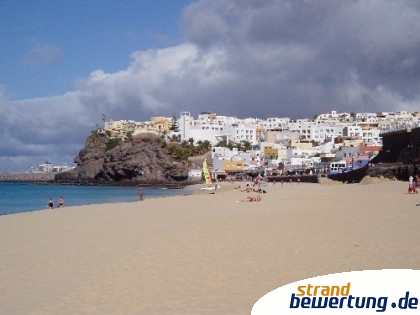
(275, 143)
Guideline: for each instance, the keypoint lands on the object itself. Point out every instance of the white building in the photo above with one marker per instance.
(371, 137)
(316, 130)
(223, 153)
(274, 123)
(368, 118)
(352, 131)
(215, 128)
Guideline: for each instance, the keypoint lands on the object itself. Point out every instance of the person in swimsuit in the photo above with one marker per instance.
(60, 202)
(51, 203)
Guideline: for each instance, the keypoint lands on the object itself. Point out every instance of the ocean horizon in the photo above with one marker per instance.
(26, 197)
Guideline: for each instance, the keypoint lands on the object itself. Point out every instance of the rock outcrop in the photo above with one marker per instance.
(139, 160)
(401, 146)
(398, 171)
(399, 157)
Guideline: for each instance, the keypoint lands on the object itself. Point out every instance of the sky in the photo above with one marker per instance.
(64, 64)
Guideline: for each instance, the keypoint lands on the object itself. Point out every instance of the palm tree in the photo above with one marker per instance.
(175, 138)
(174, 125)
(206, 145)
(246, 145)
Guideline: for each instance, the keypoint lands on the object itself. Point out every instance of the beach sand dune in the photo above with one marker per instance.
(202, 253)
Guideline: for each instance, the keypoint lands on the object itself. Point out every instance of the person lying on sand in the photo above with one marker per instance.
(252, 199)
(249, 189)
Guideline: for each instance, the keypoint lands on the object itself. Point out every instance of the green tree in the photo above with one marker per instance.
(112, 143)
(185, 144)
(246, 145)
(180, 154)
(175, 138)
(174, 124)
(129, 136)
(222, 143)
(206, 145)
(161, 140)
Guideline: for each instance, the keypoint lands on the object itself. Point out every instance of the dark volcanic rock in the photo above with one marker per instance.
(398, 171)
(141, 160)
(399, 157)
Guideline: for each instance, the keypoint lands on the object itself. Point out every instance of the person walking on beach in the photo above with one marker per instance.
(141, 194)
(51, 203)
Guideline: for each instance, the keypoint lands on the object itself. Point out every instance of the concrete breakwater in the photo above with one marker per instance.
(27, 177)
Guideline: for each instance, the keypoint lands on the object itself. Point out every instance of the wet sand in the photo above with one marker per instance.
(202, 253)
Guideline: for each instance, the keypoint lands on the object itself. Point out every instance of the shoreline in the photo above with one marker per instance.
(48, 178)
(30, 195)
(201, 253)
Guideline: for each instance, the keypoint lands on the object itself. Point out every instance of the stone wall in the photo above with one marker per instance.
(27, 177)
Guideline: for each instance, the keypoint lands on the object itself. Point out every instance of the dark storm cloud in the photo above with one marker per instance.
(296, 58)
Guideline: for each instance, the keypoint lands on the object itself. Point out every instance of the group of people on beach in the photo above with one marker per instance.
(254, 188)
(59, 205)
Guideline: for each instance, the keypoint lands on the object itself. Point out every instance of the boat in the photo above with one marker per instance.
(337, 167)
(49, 167)
(207, 178)
(348, 173)
(206, 173)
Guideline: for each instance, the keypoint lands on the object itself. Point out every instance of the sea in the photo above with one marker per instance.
(25, 197)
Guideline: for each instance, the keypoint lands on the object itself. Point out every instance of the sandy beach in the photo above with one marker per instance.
(201, 253)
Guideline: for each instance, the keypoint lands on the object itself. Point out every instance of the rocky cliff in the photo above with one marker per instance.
(139, 160)
(402, 146)
(399, 157)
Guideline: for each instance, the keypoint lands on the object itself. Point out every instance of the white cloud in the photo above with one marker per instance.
(245, 58)
(42, 53)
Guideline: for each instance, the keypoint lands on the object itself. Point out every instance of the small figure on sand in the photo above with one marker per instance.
(412, 185)
(252, 199)
(60, 202)
(141, 194)
(51, 203)
(412, 189)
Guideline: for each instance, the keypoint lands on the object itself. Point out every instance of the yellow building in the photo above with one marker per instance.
(302, 144)
(232, 166)
(271, 152)
(161, 124)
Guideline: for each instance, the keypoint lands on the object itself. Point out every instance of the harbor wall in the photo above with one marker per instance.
(27, 177)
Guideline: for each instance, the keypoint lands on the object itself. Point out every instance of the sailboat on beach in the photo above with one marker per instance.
(207, 177)
(206, 173)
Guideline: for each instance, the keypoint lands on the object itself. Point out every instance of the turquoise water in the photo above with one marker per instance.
(23, 197)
